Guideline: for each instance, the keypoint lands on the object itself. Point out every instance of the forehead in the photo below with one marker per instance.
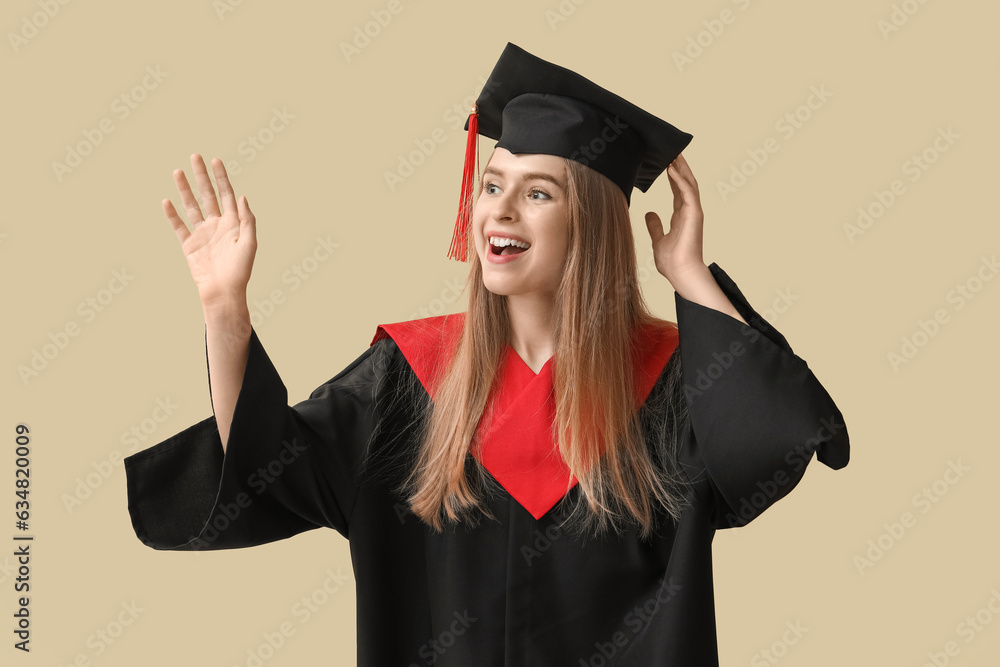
(518, 163)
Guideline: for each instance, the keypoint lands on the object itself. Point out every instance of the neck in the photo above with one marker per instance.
(532, 326)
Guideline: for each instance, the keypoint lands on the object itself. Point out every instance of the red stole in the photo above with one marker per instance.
(517, 445)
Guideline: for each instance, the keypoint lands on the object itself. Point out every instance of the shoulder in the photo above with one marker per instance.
(426, 331)
(654, 343)
(426, 344)
(655, 331)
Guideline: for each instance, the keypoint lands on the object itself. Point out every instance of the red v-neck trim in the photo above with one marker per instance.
(515, 440)
(427, 345)
(516, 358)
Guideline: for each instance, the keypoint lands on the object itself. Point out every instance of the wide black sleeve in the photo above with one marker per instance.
(285, 469)
(756, 412)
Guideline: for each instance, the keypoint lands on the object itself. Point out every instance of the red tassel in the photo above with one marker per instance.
(460, 237)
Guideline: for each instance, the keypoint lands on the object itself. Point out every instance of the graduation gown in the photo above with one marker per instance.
(521, 589)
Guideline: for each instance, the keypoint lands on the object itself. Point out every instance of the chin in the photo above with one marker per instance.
(498, 287)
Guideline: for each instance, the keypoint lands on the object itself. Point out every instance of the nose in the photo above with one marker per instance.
(503, 206)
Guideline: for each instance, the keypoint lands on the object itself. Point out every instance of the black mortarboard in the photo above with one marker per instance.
(533, 106)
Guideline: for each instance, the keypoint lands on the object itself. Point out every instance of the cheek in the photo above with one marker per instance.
(477, 229)
(558, 241)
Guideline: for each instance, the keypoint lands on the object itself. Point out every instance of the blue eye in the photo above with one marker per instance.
(488, 188)
(544, 195)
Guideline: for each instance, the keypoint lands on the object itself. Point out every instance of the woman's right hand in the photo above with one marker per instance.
(220, 246)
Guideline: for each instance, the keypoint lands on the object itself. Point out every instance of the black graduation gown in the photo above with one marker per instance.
(514, 591)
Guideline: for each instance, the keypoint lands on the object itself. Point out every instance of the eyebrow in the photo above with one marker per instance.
(528, 176)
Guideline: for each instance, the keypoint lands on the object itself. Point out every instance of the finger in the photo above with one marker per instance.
(187, 197)
(672, 178)
(685, 200)
(225, 187)
(684, 169)
(683, 185)
(208, 201)
(175, 220)
(655, 226)
(248, 223)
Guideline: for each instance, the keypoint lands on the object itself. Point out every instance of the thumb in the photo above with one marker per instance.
(243, 206)
(654, 225)
(248, 222)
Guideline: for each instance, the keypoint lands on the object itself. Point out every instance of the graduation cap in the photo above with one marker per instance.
(533, 106)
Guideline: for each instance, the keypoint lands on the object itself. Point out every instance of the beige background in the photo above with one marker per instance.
(781, 236)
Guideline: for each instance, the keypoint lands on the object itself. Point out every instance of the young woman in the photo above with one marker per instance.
(536, 481)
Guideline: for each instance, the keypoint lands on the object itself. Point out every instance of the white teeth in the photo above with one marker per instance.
(501, 242)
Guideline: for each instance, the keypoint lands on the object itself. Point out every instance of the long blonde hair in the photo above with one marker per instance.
(599, 306)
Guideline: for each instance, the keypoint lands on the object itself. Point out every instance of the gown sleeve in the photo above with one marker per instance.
(756, 411)
(285, 470)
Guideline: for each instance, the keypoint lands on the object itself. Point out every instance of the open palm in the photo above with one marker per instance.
(221, 244)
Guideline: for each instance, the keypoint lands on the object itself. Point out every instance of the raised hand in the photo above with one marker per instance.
(678, 253)
(221, 244)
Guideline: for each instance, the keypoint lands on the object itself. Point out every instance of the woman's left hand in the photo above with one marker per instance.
(678, 253)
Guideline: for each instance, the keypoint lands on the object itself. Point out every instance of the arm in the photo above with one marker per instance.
(227, 343)
(757, 412)
(285, 471)
(258, 470)
(219, 248)
(698, 286)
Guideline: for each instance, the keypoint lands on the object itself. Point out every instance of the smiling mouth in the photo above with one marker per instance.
(505, 246)
(506, 250)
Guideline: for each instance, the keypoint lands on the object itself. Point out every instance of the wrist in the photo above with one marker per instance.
(690, 278)
(226, 309)
(223, 300)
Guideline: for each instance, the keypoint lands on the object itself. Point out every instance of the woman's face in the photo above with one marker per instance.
(523, 201)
